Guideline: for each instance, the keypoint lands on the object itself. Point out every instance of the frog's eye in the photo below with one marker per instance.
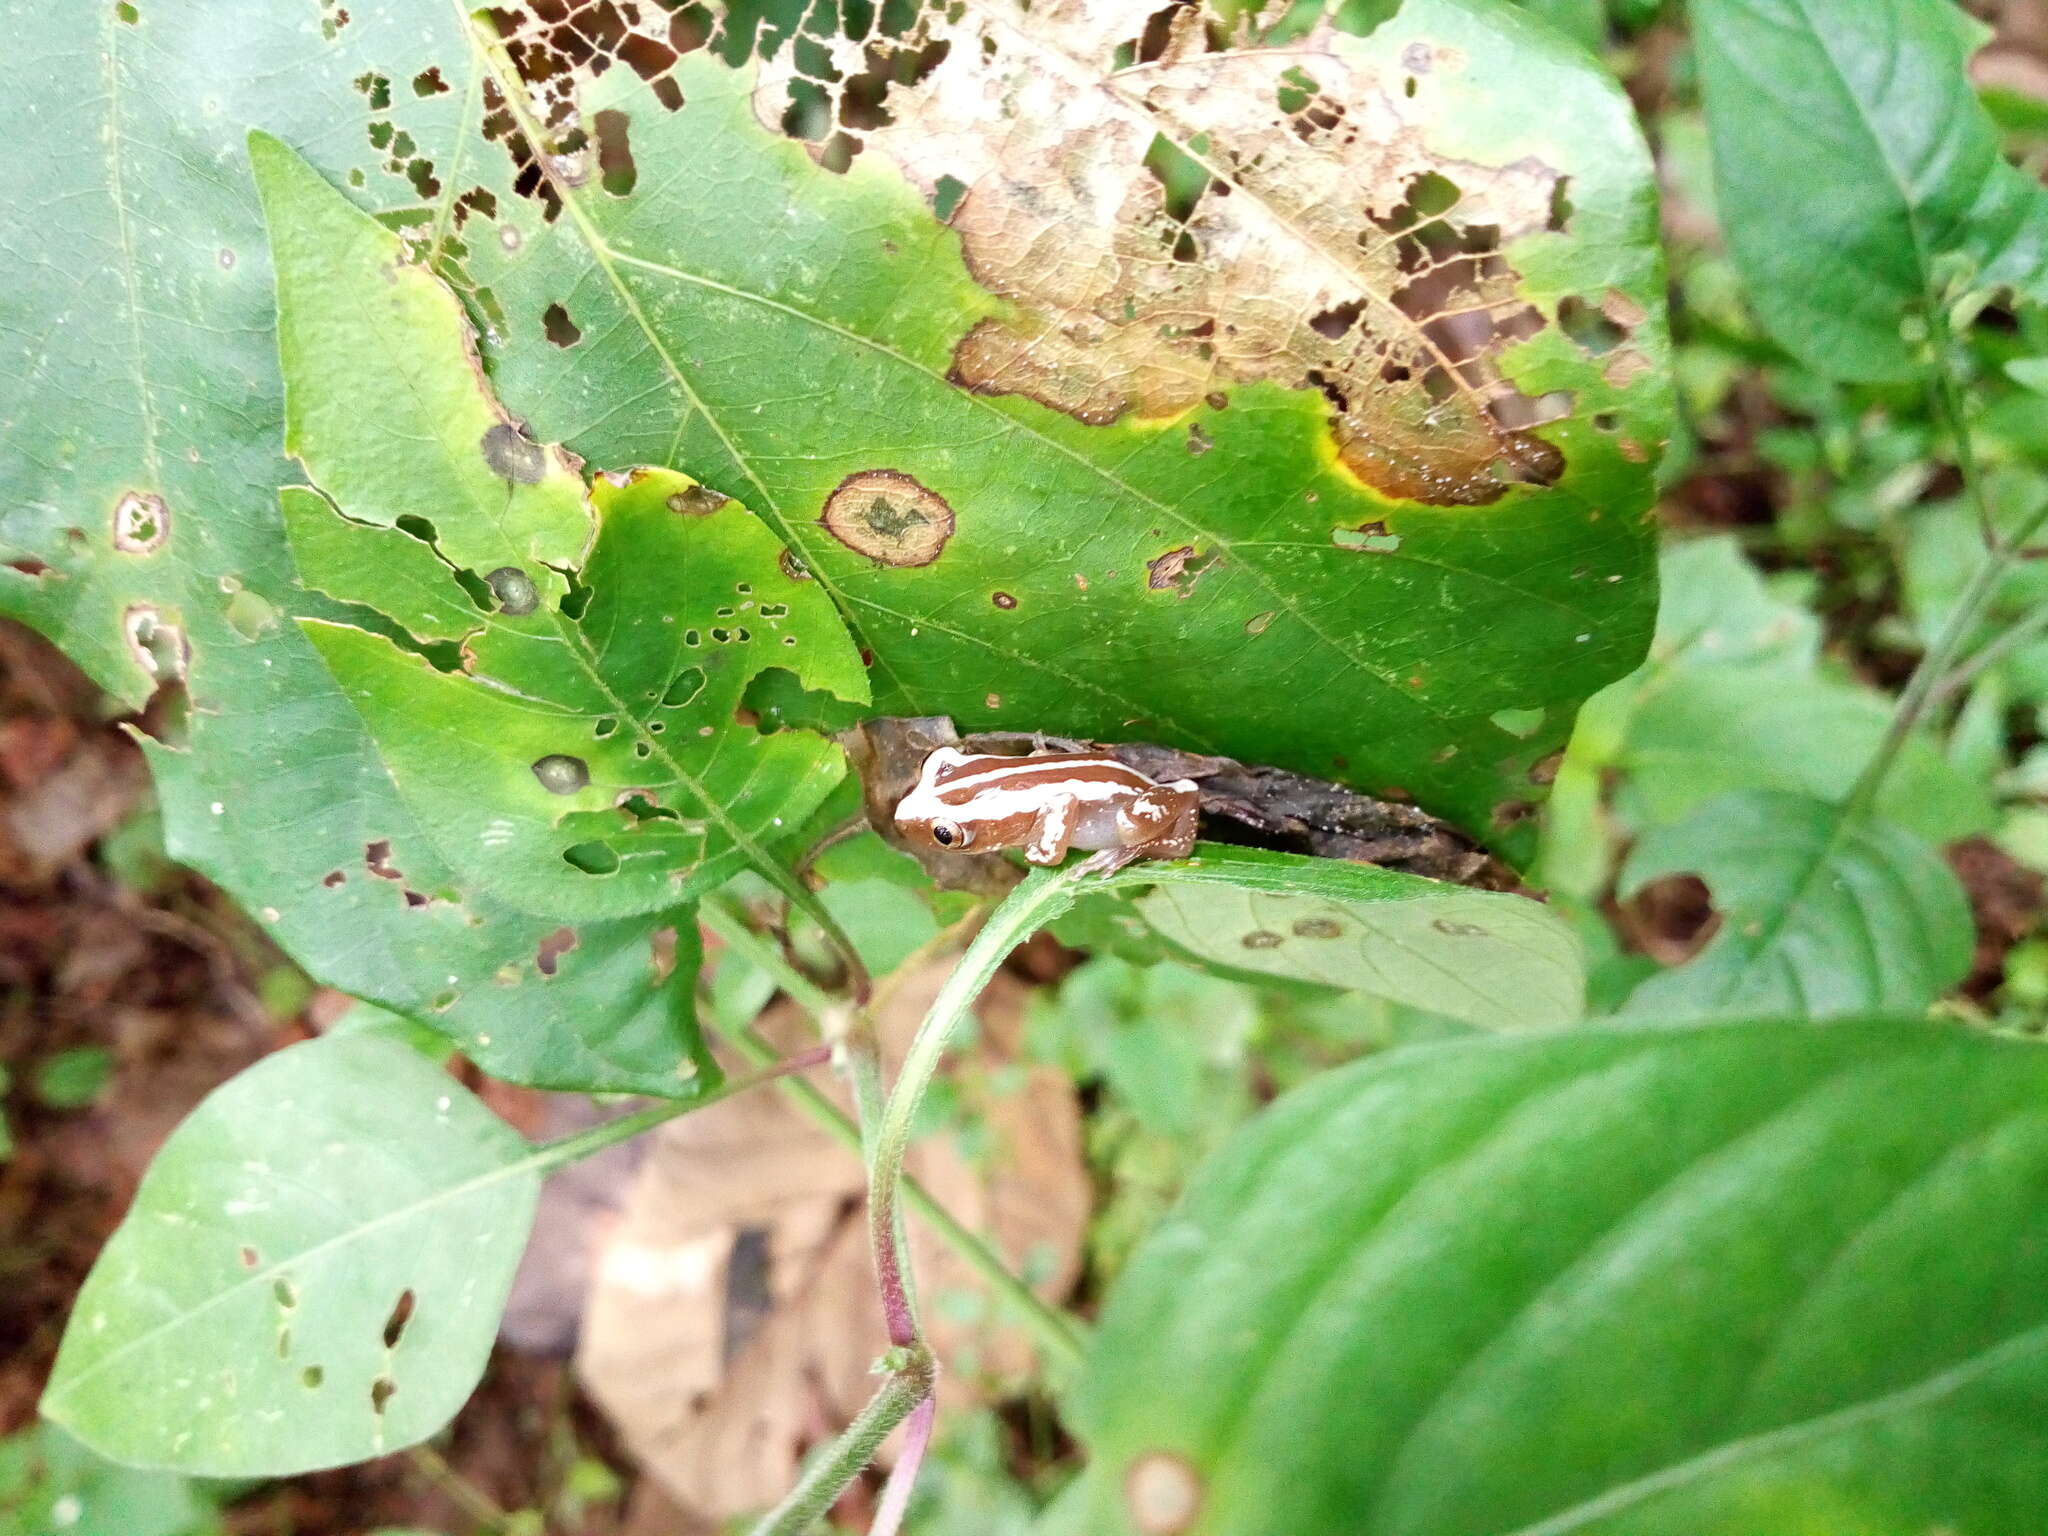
(949, 834)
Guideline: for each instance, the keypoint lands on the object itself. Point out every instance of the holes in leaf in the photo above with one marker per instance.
(377, 89)
(428, 82)
(402, 1309)
(333, 879)
(561, 774)
(377, 859)
(284, 1292)
(249, 1257)
(1607, 421)
(558, 327)
(946, 196)
(127, 13)
(615, 153)
(576, 600)
(604, 727)
(381, 1392)
(595, 857)
(686, 685)
(312, 1376)
(142, 522)
(1366, 539)
(638, 805)
(1589, 326)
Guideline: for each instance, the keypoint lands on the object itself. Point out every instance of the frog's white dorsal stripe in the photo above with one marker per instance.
(1019, 783)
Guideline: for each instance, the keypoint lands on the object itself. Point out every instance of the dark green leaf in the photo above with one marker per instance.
(1185, 518)
(1821, 914)
(588, 760)
(311, 1274)
(1860, 182)
(1712, 1281)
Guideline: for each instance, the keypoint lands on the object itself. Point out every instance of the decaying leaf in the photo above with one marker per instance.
(1224, 213)
(733, 1323)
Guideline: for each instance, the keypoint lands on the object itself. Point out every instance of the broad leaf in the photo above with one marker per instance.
(1822, 913)
(1503, 961)
(311, 1274)
(1858, 179)
(1069, 458)
(1711, 1281)
(171, 414)
(588, 758)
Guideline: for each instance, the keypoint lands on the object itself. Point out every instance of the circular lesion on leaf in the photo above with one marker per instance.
(1163, 1493)
(889, 517)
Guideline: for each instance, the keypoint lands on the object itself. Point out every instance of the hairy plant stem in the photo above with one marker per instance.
(909, 1384)
(1043, 896)
(1930, 678)
(1059, 1337)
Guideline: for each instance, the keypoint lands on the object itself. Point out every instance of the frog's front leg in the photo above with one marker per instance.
(1054, 830)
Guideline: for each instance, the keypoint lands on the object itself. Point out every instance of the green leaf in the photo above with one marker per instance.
(744, 312)
(272, 788)
(1733, 697)
(587, 759)
(1710, 1281)
(1822, 914)
(1859, 180)
(73, 1079)
(1503, 961)
(50, 1485)
(311, 1274)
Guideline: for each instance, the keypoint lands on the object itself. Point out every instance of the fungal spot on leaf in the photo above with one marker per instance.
(889, 517)
(1521, 723)
(401, 1314)
(684, 687)
(512, 456)
(1177, 570)
(558, 327)
(592, 858)
(312, 1376)
(1002, 600)
(1199, 442)
(1262, 938)
(1456, 930)
(142, 522)
(1366, 539)
(1318, 928)
(560, 774)
(697, 501)
(514, 590)
(249, 1257)
(793, 566)
(1258, 622)
(381, 1392)
(1162, 1493)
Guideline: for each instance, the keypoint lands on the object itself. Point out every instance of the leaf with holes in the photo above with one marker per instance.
(1487, 958)
(1822, 914)
(311, 1274)
(586, 753)
(141, 529)
(1118, 363)
(1871, 100)
(1705, 1281)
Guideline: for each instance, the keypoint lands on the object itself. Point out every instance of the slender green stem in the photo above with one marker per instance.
(1059, 1336)
(1043, 896)
(570, 1149)
(1995, 651)
(1931, 678)
(909, 1384)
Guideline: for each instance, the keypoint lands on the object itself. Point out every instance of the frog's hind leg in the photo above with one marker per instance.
(1054, 833)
